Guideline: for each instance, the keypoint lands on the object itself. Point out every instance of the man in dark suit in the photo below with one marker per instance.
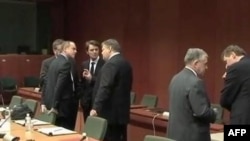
(235, 95)
(60, 94)
(90, 70)
(189, 106)
(57, 49)
(112, 93)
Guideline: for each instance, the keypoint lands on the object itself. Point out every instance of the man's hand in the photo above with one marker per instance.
(86, 74)
(93, 113)
(52, 110)
(224, 75)
(43, 108)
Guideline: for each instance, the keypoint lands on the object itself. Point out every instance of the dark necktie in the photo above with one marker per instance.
(92, 67)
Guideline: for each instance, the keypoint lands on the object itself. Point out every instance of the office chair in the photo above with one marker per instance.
(32, 104)
(149, 100)
(95, 127)
(156, 138)
(50, 118)
(15, 100)
(31, 81)
(8, 84)
(8, 88)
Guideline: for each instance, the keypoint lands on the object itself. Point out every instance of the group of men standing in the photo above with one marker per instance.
(103, 87)
(105, 82)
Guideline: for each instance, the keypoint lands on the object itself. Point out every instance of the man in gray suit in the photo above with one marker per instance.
(190, 112)
(60, 92)
(57, 49)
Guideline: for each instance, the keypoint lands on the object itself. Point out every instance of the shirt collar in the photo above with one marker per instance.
(63, 54)
(187, 67)
(95, 61)
(114, 54)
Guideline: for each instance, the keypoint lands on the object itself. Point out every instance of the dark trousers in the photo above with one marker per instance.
(116, 132)
(86, 107)
(67, 113)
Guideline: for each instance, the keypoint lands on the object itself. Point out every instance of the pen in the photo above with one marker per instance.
(52, 132)
(57, 130)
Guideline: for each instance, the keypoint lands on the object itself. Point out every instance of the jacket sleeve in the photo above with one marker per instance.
(106, 84)
(200, 103)
(231, 88)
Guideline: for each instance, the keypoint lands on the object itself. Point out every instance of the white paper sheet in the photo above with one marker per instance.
(53, 131)
(33, 121)
(217, 136)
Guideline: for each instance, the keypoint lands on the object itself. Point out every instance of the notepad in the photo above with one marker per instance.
(33, 121)
(53, 131)
(2, 109)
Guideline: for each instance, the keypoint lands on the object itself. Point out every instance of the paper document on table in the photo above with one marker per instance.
(33, 121)
(53, 131)
(5, 125)
(217, 136)
(2, 109)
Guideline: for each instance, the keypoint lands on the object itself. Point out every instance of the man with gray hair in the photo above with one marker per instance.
(57, 49)
(189, 106)
(60, 92)
(112, 91)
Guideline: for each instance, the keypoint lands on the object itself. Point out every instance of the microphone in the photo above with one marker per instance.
(9, 137)
(6, 119)
(84, 136)
(1, 94)
(3, 133)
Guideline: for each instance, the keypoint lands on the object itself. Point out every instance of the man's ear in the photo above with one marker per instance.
(233, 55)
(195, 62)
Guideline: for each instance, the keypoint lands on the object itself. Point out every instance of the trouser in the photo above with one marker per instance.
(116, 132)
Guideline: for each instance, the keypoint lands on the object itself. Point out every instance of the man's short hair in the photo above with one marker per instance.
(233, 48)
(57, 43)
(92, 42)
(194, 54)
(113, 44)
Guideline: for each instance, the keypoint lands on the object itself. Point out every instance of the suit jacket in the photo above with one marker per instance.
(59, 86)
(235, 95)
(87, 87)
(190, 112)
(44, 69)
(112, 90)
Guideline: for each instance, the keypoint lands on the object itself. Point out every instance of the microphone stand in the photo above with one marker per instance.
(4, 121)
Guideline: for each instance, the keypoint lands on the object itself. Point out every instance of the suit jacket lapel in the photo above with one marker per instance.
(98, 66)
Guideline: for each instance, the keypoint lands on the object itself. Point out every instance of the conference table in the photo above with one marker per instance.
(32, 93)
(144, 121)
(19, 131)
(29, 92)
